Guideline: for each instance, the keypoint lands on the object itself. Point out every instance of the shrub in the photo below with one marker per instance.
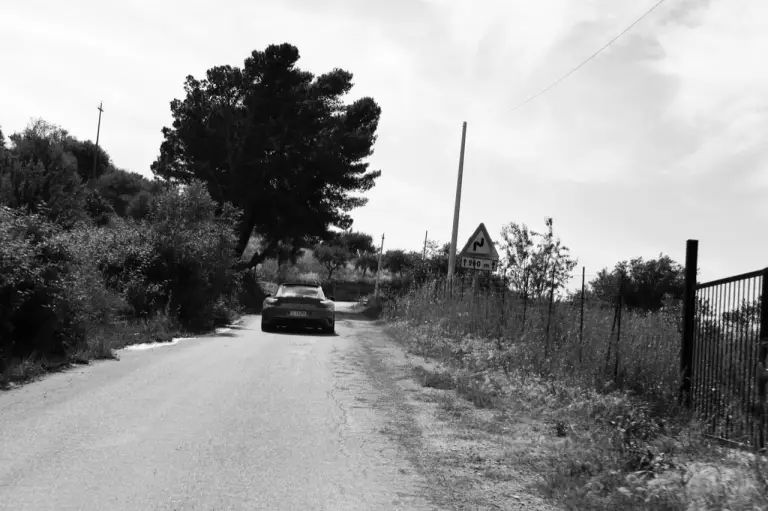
(58, 286)
(38, 314)
(195, 250)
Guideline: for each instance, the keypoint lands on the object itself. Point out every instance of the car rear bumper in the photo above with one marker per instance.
(277, 316)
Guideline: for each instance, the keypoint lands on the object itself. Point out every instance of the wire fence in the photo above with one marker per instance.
(598, 340)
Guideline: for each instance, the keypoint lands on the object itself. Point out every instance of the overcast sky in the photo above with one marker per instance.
(659, 139)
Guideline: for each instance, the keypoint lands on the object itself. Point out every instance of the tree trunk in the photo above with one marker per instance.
(245, 228)
(258, 258)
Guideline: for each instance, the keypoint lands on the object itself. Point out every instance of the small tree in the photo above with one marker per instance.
(400, 261)
(332, 255)
(535, 268)
(368, 261)
(358, 243)
(645, 282)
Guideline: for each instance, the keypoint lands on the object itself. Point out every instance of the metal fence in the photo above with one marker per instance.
(728, 322)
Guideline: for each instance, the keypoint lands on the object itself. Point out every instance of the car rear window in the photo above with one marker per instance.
(300, 291)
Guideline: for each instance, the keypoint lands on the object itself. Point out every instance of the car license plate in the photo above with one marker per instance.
(297, 313)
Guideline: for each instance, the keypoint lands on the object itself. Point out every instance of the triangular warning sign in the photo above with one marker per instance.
(480, 245)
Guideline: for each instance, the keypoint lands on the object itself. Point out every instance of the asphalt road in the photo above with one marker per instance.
(241, 420)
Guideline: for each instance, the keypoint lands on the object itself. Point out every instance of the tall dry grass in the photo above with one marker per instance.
(638, 352)
(608, 390)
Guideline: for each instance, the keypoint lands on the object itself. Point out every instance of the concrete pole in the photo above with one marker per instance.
(457, 206)
(378, 270)
(98, 132)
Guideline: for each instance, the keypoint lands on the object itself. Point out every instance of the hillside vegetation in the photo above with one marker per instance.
(94, 257)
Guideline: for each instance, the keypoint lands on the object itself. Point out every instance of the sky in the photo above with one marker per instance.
(659, 139)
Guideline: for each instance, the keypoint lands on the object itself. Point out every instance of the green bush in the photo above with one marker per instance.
(195, 248)
(37, 311)
(58, 285)
(181, 261)
(87, 267)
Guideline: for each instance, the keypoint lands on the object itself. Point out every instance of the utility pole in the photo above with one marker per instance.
(457, 205)
(98, 132)
(378, 270)
(424, 253)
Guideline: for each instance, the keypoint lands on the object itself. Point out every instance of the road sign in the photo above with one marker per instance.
(479, 253)
(480, 245)
(477, 263)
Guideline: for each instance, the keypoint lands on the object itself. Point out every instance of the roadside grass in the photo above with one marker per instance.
(102, 342)
(596, 435)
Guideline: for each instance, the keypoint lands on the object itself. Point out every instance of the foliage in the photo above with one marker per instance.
(53, 192)
(400, 261)
(437, 258)
(534, 269)
(646, 283)
(84, 151)
(38, 175)
(85, 268)
(747, 314)
(48, 143)
(333, 254)
(368, 262)
(358, 243)
(37, 313)
(277, 142)
(195, 251)
(129, 194)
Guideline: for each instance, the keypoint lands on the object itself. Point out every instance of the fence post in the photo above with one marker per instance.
(581, 319)
(525, 306)
(618, 330)
(549, 313)
(504, 304)
(689, 316)
(488, 296)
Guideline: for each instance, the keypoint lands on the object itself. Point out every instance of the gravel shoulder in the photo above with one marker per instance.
(468, 455)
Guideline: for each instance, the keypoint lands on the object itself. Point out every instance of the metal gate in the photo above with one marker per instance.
(726, 380)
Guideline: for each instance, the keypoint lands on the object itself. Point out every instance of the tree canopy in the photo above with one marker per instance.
(46, 170)
(535, 263)
(277, 142)
(646, 283)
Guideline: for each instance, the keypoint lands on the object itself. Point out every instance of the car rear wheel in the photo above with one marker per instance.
(330, 329)
(266, 327)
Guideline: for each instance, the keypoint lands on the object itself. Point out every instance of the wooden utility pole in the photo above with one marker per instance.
(378, 270)
(457, 206)
(98, 132)
(424, 253)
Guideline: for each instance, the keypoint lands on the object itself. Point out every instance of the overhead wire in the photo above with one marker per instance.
(598, 52)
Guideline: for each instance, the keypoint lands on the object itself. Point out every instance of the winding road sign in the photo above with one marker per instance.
(479, 253)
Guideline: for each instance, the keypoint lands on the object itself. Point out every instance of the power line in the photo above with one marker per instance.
(598, 52)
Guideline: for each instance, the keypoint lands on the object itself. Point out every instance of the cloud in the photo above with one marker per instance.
(658, 139)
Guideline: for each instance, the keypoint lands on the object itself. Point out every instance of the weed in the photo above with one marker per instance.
(434, 379)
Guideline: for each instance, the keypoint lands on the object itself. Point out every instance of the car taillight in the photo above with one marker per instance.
(327, 304)
(270, 302)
